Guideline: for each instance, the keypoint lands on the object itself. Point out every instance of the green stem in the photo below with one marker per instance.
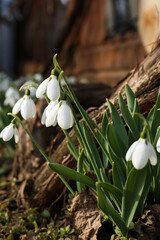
(32, 138)
(67, 185)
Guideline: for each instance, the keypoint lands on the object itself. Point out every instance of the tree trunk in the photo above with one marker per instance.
(43, 188)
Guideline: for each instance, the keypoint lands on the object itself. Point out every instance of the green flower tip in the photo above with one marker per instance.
(27, 92)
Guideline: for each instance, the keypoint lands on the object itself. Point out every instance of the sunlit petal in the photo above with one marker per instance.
(65, 116)
(130, 151)
(152, 154)
(17, 106)
(140, 155)
(53, 89)
(42, 88)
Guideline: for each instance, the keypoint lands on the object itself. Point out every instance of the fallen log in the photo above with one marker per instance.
(43, 188)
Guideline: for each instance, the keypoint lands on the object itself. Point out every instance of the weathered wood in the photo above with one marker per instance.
(144, 81)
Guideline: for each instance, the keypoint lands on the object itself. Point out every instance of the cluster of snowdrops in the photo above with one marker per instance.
(137, 138)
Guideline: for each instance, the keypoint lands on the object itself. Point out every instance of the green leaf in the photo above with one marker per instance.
(144, 194)
(115, 193)
(136, 119)
(130, 98)
(118, 124)
(106, 206)
(72, 174)
(104, 125)
(132, 192)
(80, 186)
(156, 136)
(91, 148)
(117, 177)
(114, 142)
(128, 117)
(156, 116)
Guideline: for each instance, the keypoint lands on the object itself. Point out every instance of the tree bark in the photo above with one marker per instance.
(44, 188)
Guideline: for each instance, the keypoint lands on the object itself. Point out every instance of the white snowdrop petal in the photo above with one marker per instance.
(16, 135)
(152, 154)
(50, 106)
(42, 88)
(17, 106)
(130, 151)
(53, 89)
(33, 108)
(65, 117)
(28, 109)
(140, 155)
(8, 132)
(52, 117)
(158, 145)
(43, 118)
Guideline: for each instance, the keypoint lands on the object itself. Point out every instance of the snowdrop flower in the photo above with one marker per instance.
(61, 114)
(26, 106)
(65, 116)
(139, 152)
(8, 132)
(11, 96)
(51, 87)
(47, 111)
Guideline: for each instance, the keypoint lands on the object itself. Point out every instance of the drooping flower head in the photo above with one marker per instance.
(140, 152)
(51, 87)
(26, 106)
(65, 116)
(58, 112)
(8, 132)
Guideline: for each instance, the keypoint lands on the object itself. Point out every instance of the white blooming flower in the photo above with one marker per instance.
(8, 132)
(11, 96)
(140, 152)
(26, 106)
(51, 119)
(65, 116)
(51, 87)
(47, 111)
(58, 113)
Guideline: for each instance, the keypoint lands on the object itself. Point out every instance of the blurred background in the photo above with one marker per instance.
(97, 41)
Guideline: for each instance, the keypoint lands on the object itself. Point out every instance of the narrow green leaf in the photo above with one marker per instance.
(118, 124)
(128, 117)
(115, 143)
(73, 150)
(132, 193)
(144, 194)
(136, 119)
(80, 186)
(117, 177)
(156, 116)
(92, 146)
(156, 136)
(115, 193)
(72, 174)
(150, 116)
(130, 98)
(104, 125)
(106, 206)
